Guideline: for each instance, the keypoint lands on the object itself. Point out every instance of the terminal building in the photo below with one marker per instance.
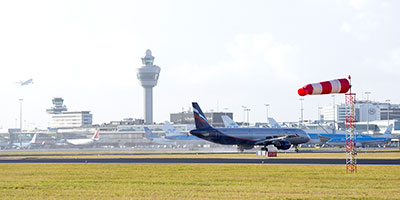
(62, 118)
(71, 119)
(371, 116)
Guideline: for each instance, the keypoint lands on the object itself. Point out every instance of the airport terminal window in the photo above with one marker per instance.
(396, 125)
(147, 76)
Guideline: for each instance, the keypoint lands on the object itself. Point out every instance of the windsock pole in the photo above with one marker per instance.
(333, 87)
(351, 143)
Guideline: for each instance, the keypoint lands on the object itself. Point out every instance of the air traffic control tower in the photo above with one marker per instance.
(148, 76)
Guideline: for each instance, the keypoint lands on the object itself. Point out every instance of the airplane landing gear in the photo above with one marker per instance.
(296, 148)
(264, 148)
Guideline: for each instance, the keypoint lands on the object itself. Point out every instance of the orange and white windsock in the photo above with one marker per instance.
(326, 87)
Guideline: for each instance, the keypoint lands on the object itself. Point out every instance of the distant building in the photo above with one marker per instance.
(71, 119)
(364, 110)
(58, 106)
(187, 118)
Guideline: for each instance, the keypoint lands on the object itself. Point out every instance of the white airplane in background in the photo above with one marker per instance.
(94, 138)
(27, 82)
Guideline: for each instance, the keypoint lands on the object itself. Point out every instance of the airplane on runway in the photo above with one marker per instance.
(27, 82)
(364, 140)
(25, 145)
(247, 138)
(91, 140)
(157, 139)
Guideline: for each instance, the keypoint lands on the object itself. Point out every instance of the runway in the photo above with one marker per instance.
(198, 161)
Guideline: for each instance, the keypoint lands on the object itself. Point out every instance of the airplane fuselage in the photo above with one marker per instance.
(249, 136)
(80, 141)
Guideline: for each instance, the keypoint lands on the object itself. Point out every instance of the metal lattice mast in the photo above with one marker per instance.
(351, 148)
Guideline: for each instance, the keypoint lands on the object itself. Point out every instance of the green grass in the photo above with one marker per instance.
(112, 181)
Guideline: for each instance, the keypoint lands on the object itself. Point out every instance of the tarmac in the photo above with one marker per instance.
(198, 161)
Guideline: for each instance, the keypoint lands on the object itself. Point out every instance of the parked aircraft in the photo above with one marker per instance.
(228, 122)
(173, 134)
(364, 140)
(20, 145)
(27, 82)
(247, 138)
(273, 123)
(157, 139)
(91, 140)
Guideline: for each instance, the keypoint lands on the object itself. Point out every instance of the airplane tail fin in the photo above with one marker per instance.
(273, 123)
(199, 117)
(389, 130)
(169, 129)
(96, 135)
(228, 122)
(33, 140)
(148, 133)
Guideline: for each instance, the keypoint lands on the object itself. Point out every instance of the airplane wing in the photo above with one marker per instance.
(271, 139)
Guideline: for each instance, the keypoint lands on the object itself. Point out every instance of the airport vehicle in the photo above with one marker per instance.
(27, 82)
(364, 140)
(228, 122)
(247, 138)
(24, 145)
(85, 141)
(157, 139)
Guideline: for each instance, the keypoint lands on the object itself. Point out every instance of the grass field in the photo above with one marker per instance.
(111, 181)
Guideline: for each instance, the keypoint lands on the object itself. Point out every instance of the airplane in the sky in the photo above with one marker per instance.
(157, 139)
(85, 141)
(364, 140)
(20, 145)
(27, 82)
(247, 138)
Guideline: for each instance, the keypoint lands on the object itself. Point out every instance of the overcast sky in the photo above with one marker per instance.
(223, 54)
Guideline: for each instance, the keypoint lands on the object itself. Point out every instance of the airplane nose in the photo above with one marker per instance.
(305, 136)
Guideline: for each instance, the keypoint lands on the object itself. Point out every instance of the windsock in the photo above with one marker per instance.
(326, 87)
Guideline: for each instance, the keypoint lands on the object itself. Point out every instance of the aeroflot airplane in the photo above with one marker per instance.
(247, 138)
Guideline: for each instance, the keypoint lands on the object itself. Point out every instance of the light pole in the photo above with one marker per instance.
(20, 114)
(388, 109)
(244, 113)
(367, 93)
(266, 106)
(248, 120)
(319, 114)
(301, 109)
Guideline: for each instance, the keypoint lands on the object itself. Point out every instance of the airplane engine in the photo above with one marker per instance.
(283, 145)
